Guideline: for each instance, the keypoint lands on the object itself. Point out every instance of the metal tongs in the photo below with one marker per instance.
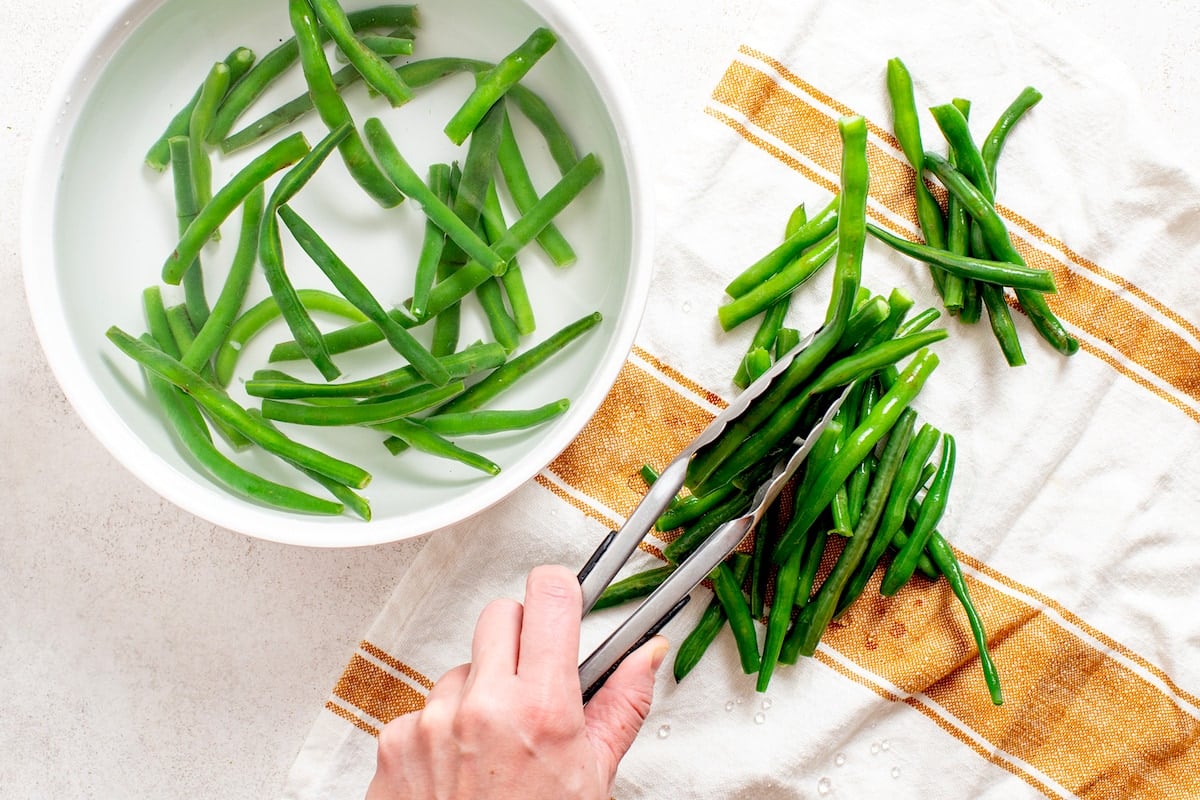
(672, 595)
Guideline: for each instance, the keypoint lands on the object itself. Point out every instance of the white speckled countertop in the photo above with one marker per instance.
(146, 653)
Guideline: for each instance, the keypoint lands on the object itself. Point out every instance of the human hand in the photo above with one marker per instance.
(511, 724)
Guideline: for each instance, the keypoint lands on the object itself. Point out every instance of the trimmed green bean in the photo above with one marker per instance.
(1001, 273)
(932, 508)
(227, 198)
(690, 508)
(458, 365)
(211, 93)
(360, 413)
(332, 108)
(764, 339)
(786, 341)
(483, 422)
(413, 433)
(804, 237)
(375, 71)
(699, 530)
(503, 377)
(513, 279)
(633, 587)
(754, 301)
(865, 436)
(159, 155)
(182, 423)
(215, 330)
(218, 404)
(433, 244)
(492, 85)
(958, 234)
(694, 645)
(904, 487)
(760, 560)
(907, 127)
(995, 235)
(863, 324)
(276, 62)
(525, 195)
(263, 313)
(407, 181)
(354, 290)
(729, 592)
(186, 208)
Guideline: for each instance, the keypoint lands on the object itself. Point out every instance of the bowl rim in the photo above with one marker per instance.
(104, 36)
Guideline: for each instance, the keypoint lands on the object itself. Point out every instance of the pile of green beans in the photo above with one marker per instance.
(868, 485)
(429, 391)
(970, 254)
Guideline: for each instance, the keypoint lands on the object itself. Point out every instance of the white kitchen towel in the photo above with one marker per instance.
(1074, 506)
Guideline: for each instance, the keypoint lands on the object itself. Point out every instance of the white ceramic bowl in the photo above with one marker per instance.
(98, 224)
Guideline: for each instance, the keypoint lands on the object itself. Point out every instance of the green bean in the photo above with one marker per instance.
(1000, 273)
(433, 244)
(525, 195)
(375, 71)
(785, 417)
(702, 527)
(995, 235)
(258, 316)
(348, 497)
(690, 508)
(924, 565)
(354, 290)
(211, 93)
(903, 488)
(707, 460)
(311, 341)
(932, 508)
(181, 327)
(159, 154)
(796, 220)
(967, 158)
(693, 646)
(360, 413)
(276, 62)
(788, 339)
(947, 563)
(907, 128)
(863, 324)
(503, 377)
(478, 168)
(408, 182)
(226, 199)
(413, 433)
(492, 85)
(729, 593)
(815, 618)
(332, 108)
(215, 330)
(175, 403)
(417, 74)
(458, 365)
(764, 339)
(482, 422)
(186, 209)
(468, 276)
(1002, 324)
(157, 322)
(865, 436)
(957, 236)
(804, 237)
(631, 588)
(992, 145)
(787, 577)
(754, 301)
(512, 280)
(217, 403)
(760, 560)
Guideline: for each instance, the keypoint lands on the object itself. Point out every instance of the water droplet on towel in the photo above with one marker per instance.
(729, 706)
(686, 307)
(760, 718)
(885, 745)
(664, 731)
(767, 703)
(839, 760)
(895, 772)
(874, 748)
(824, 786)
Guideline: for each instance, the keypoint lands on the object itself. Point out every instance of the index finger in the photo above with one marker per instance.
(550, 628)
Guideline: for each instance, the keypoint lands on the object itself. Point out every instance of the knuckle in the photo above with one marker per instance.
(554, 584)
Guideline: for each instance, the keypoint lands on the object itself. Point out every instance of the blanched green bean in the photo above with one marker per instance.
(360, 413)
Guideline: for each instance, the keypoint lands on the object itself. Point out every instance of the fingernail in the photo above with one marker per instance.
(660, 652)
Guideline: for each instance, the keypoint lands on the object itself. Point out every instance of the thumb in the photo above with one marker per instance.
(616, 712)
